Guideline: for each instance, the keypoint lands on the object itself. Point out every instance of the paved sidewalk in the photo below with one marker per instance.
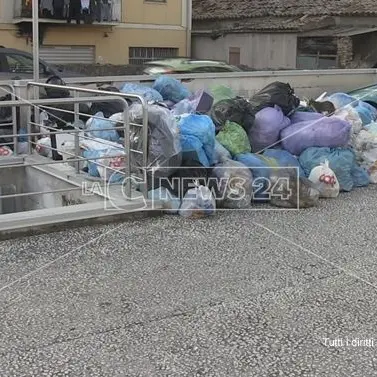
(241, 294)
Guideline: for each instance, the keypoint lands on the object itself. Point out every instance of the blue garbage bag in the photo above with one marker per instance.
(284, 159)
(171, 89)
(360, 176)
(342, 99)
(367, 112)
(102, 128)
(342, 161)
(198, 134)
(261, 170)
(92, 166)
(96, 165)
(147, 92)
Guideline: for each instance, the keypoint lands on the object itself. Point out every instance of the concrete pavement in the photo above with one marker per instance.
(241, 294)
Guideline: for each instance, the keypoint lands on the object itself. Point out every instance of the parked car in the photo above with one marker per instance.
(17, 64)
(182, 65)
(366, 94)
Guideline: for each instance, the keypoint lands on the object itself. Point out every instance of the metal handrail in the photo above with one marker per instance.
(41, 102)
(136, 97)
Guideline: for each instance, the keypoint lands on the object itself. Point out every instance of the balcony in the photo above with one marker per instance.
(99, 13)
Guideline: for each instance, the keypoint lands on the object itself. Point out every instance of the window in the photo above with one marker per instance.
(22, 64)
(234, 55)
(316, 53)
(141, 55)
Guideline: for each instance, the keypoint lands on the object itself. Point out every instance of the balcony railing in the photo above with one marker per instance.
(99, 11)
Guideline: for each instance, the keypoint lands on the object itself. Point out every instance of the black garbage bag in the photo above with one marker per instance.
(238, 110)
(63, 114)
(56, 92)
(5, 112)
(185, 177)
(108, 108)
(276, 93)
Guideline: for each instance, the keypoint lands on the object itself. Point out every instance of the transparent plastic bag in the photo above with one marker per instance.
(291, 191)
(325, 180)
(198, 203)
(170, 203)
(164, 144)
(233, 186)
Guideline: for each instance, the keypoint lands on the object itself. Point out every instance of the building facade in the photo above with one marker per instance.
(99, 31)
(289, 34)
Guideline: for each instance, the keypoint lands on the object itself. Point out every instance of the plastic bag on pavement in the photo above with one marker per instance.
(325, 180)
(289, 191)
(221, 154)
(265, 133)
(198, 134)
(341, 162)
(171, 89)
(164, 146)
(102, 128)
(233, 185)
(360, 176)
(197, 203)
(324, 132)
(261, 170)
(190, 174)
(170, 203)
(237, 110)
(234, 138)
(147, 92)
(276, 93)
(221, 92)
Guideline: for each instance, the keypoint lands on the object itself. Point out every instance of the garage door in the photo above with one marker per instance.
(67, 54)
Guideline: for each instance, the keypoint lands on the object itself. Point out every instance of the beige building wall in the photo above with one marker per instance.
(145, 24)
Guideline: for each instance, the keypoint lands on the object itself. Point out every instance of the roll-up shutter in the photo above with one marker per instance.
(67, 54)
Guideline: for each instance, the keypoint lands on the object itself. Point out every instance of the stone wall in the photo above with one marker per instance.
(345, 52)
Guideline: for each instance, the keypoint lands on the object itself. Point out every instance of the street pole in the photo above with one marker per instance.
(36, 41)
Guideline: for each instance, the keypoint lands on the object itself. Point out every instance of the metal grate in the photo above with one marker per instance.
(141, 55)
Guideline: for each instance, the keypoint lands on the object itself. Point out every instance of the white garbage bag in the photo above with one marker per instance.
(43, 147)
(325, 180)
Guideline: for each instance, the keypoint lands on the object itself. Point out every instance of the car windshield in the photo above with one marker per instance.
(21, 64)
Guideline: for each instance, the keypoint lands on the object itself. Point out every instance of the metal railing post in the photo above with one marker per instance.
(76, 108)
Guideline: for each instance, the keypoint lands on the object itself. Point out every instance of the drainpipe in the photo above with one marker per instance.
(188, 27)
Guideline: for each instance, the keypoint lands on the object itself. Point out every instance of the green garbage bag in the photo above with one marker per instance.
(221, 92)
(234, 138)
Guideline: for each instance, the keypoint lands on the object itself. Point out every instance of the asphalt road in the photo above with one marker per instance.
(241, 294)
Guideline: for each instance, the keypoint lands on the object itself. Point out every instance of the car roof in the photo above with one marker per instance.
(187, 63)
(14, 51)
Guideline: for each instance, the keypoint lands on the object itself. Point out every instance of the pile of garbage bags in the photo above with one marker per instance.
(211, 149)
